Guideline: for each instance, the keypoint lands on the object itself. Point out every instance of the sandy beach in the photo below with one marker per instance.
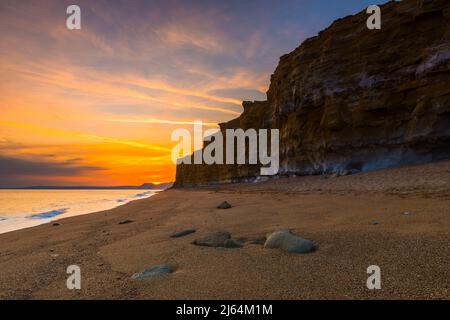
(355, 221)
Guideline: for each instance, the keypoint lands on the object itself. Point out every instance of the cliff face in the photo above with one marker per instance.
(353, 98)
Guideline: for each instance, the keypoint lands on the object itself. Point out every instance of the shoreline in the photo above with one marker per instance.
(20, 222)
(411, 250)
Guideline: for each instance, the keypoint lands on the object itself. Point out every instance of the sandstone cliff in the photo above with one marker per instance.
(353, 98)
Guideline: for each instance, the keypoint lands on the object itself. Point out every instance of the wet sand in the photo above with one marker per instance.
(337, 213)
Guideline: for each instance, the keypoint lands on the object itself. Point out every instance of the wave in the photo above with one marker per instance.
(48, 214)
(143, 194)
(57, 212)
(138, 195)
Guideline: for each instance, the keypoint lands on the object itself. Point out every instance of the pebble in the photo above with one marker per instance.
(154, 271)
(224, 205)
(182, 233)
(52, 253)
(125, 221)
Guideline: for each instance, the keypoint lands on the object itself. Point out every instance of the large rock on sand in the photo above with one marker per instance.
(231, 243)
(154, 271)
(289, 242)
(215, 239)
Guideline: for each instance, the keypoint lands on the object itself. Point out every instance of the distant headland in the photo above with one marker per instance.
(146, 186)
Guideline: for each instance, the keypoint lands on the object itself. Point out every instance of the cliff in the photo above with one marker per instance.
(353, 98)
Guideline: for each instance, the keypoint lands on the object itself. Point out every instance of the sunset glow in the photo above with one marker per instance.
(97, 106)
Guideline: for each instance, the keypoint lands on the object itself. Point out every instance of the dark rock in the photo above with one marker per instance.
(289, 242)
(182, 233)
(258, 240)
(55, 224)
(215, 239)
(125, 221)
(224, 205)
(231, 243)
(154, 271)
(375, 223)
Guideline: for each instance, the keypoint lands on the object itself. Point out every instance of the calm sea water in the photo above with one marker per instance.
(26, 208)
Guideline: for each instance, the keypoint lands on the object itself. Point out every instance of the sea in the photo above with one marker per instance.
(21, 209)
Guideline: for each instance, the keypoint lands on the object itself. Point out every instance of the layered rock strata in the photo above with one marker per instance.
(354, 98)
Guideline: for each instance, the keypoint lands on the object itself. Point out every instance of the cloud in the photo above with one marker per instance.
(162, 121)
(20, 167)
(112, 91)
(244, 94)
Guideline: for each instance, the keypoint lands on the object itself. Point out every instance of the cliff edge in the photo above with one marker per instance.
(354, 98)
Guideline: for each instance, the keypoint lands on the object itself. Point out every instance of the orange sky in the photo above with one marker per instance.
(97, 106)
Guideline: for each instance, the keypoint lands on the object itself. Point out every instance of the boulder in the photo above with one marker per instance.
(232, 243)
(289, 242)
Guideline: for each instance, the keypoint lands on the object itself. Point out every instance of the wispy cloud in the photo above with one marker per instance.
(19, 167)
(112, 92)
(161, 121)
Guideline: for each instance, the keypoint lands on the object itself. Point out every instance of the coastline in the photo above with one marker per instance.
(54, 213)
(337, 213)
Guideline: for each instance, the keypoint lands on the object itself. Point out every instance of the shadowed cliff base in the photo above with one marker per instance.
(354, 99)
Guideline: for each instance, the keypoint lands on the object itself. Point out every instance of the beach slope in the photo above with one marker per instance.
(397, 219)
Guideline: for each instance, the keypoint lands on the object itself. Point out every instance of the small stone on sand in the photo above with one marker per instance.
(52, 253)
(406, 213)
(182, 233)
(154, 271)
(375, 223)
(289, 242)
(231, 243)
(215, 239)
(55, 224)
(224, 205)
(125, 221)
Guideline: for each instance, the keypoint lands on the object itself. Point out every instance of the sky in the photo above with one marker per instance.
(97, 106)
